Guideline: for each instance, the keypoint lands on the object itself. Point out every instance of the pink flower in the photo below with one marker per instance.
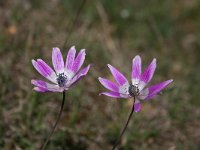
(137, 88)
(65, 75)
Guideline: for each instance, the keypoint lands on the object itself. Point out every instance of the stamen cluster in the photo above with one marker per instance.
(133, 90)
(61, 79)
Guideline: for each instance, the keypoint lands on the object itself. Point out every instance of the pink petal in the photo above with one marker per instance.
(44, 70)
(155, 89)
(79, 61)
(137, 106)
(80, 74)
(70, 58)
(39, 83)
(109, 85)
(57, 60)
(39, 89)
(149, 72)
(119, 77)
(47, 86)
(111, 94)
(143, 94)
(123, 89)
(136, 70)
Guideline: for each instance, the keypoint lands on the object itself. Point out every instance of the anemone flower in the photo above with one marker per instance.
(62, 77)
(137, 89)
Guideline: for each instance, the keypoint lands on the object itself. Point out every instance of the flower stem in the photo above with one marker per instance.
(55, 125)
(74, 22)
(125, 127)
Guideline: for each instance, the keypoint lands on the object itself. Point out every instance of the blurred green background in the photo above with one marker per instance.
(112, 32)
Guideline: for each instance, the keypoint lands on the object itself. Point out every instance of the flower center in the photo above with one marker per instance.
(133, 90)
(61, 79)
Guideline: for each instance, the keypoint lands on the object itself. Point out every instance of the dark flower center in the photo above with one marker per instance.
(133, 90)
(61, 79)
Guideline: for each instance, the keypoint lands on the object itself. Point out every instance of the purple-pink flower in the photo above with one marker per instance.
(64, 75)
(137, 88)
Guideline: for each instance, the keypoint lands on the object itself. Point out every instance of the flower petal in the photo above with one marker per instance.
(79, 75)
(111, 94)
(148, 73)
(108, 84)
(38, 89)
(46, 86)
(44, 70)
(143, 94)
(39, 83)
(155, 89)
(70, 58)
(123, 89)
(137, 106)
(57, 60)
(136, 70)
(79, 61)
(119, 77)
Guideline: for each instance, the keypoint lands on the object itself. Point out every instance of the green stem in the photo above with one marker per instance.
(55, 125)
(125, 127)
(74, 22)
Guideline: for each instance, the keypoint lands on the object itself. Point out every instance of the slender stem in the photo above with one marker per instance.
(55, 125)
(125, 127)
(74, 22)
